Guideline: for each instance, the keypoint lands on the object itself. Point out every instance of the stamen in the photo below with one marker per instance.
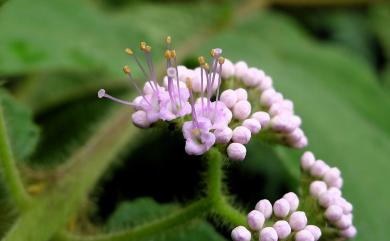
(147, 50)
(173, 55)
(102, 94)
(171, 72)
(127, 71)
(130, 52)
(201, 62)
(189, 86)
(221, 60)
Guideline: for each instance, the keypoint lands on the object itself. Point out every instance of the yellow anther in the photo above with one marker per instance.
(168, 40)
(221, 60)
(126, 69)
(206, 66)
(201, 60)
(142, 46)
(148, 48)
(212, 52)
(36, 188)
(189, 83)
(173, 53)
(196, 132)
(167, 54)
(129, 51)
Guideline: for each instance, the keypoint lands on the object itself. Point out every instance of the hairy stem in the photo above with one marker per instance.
(180, 217)
(221, 207)
(10, 172)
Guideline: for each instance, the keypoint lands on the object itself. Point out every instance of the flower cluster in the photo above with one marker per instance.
(325, 187)
(277, 222)
(217, 103)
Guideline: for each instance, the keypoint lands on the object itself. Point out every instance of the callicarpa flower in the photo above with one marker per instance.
(218, 103)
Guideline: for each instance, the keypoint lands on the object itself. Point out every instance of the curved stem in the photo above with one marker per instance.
(10, 172)
(215, 176)
(175, 219)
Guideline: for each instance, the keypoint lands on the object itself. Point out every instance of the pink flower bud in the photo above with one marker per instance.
(223, 136)
(241, 94)
(317, 187)
(256, 220)
(229, 98)
(337, 182)
(240, 69)
(265, 83)
(345, 221)
(283, 123)
(335, 191)
(268, 234)
(241, 134)
(345, 205)
(319, 169)
(236, 151)
(269, 97)
(304, 235)
(253, 125)
(315, 231)
(301, 143)
(295, 136)
(349, 232)
(251, 77)
(264, 206)
(280, 107)
(307, 160)
(297, 221)
(140, 119)
(292, 200)
(227, 69)
(281, 208)
(262, 117)
(331, 176)
(282, 228)
(240, 233)
(326, 199)
(242, 109)
(333, 213)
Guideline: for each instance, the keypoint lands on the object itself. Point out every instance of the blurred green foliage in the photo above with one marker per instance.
(55, 55)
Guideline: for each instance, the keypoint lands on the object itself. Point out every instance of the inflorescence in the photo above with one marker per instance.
(217, 103)
(225, 104)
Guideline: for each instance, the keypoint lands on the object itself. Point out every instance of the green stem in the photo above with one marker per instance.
(220, 205)
(178, 218)
(10, 172)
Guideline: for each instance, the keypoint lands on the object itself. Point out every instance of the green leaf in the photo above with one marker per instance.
(345, 112)
(380, 18)
(144, 210)
(23, 132)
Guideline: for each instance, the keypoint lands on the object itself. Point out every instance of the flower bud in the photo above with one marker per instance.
(223, 136)
(307, 160)
(240, 69)
(270, 97)
(319, 169)
(337, 182)
(297, 221)
(268, 234)
(345, 221)
(241, 134)
(304, 235)
(295, 136)
(315, 231)
(262, 117)
(333, 213)
(236, 151)
(242, 109)
(256, 220)
(317, 187)
(292, 200)
(227, 69)
(349, 232)
(253, 125)
(331, 175)
(251, 77)
(281, 208)
(240, 233)
(326, 199)
(264, 206)
(229, 98)
(241, 94)
(140, 119)
(265, 83)
(282, 228)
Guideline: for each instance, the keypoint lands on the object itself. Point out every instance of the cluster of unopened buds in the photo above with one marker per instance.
(280, 221)
(217, 103)
(225, 104)
(324, 184)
